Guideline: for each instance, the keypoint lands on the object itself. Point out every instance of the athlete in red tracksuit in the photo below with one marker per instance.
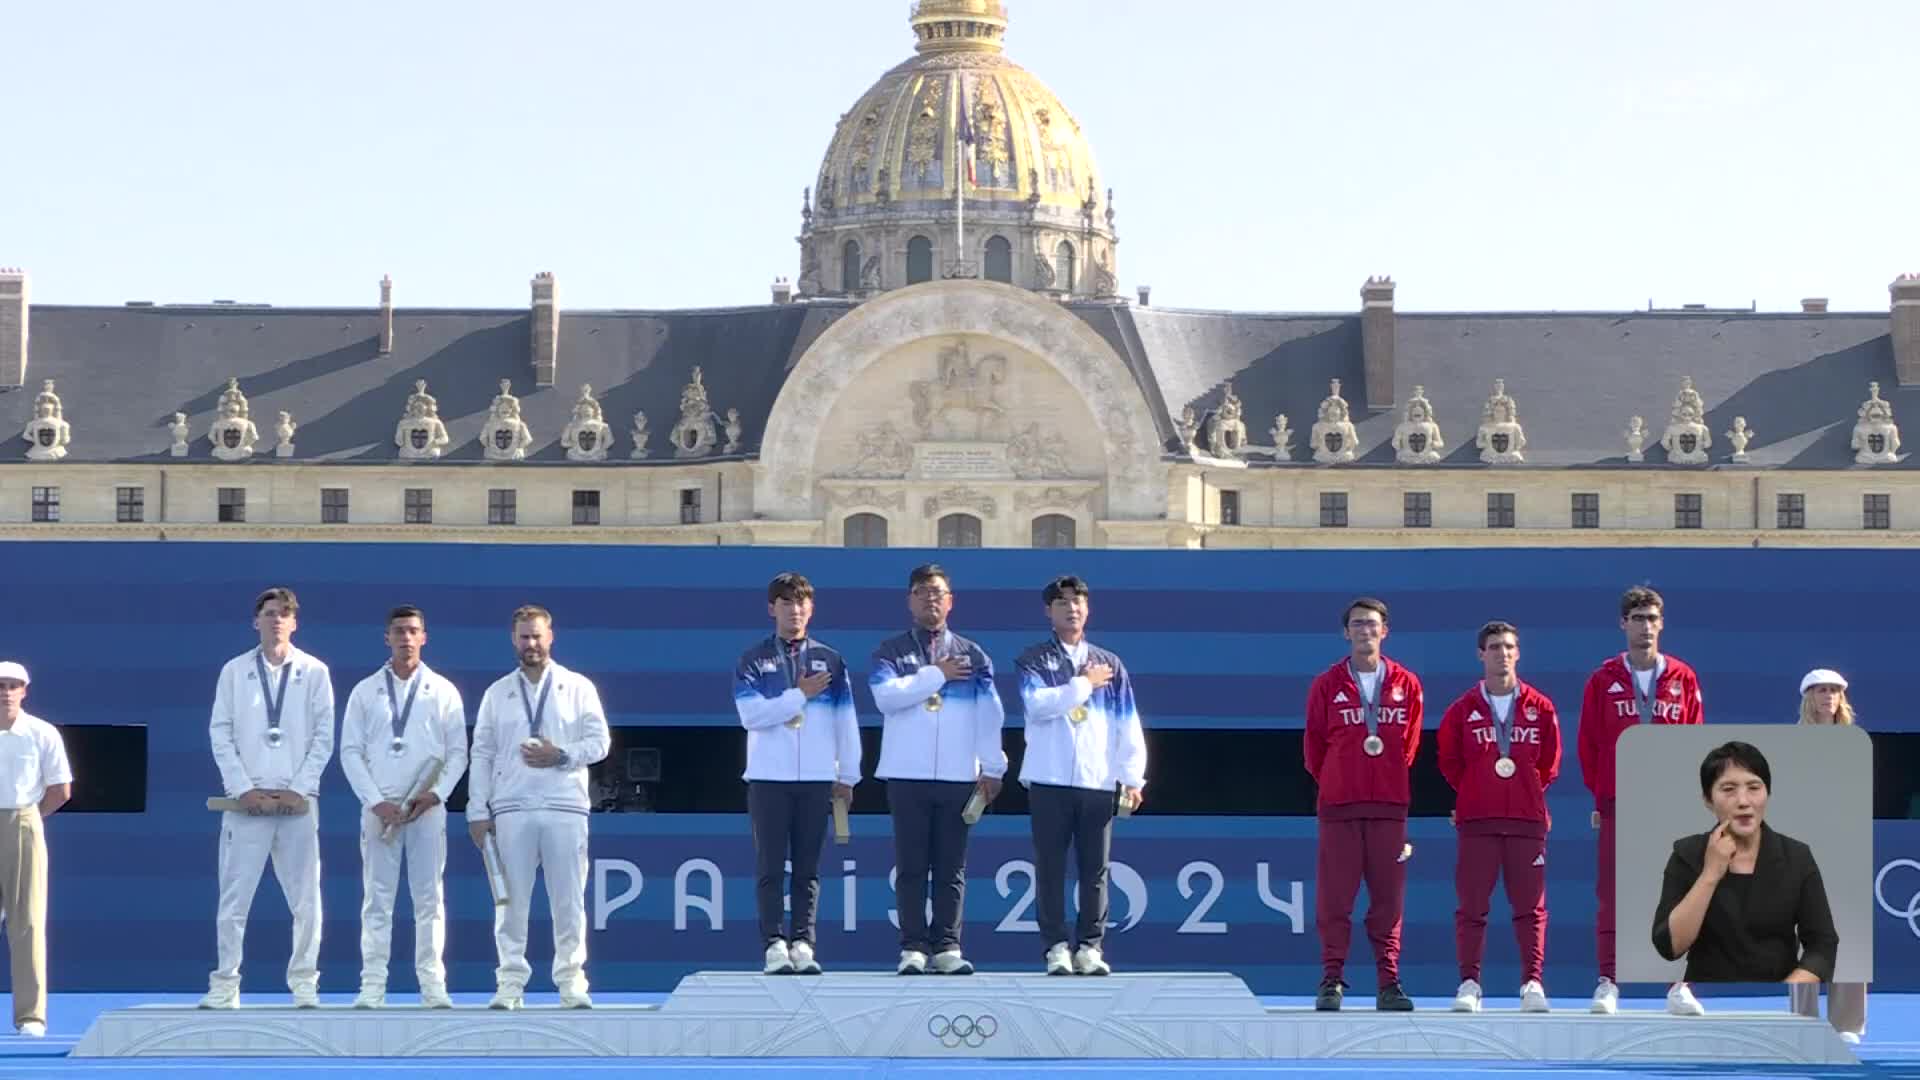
(1363, 726)
(1499, 747)
(1637, 681)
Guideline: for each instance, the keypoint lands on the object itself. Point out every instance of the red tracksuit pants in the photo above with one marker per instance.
(1603, 892)
(1522, 861)
(1364, 849)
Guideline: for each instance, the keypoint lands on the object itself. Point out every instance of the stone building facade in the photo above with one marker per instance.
(992, 392)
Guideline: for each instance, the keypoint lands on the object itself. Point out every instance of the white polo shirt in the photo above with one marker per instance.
(32, 758)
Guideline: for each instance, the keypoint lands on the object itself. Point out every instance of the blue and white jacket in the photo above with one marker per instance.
(1105, 746)
(960, 740)
(825, 745)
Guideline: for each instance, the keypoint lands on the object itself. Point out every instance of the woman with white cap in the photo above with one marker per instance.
(1823, 700)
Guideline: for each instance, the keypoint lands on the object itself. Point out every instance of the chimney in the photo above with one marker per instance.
(13, 327)
(1814, 305)
(1146, 295)
(1376, 340)
(782, 291)
(386, 314)
(546, 330)
(1906, 327)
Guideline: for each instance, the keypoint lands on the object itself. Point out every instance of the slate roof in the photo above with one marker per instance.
(122, 372)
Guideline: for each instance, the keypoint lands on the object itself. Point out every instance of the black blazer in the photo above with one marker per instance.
(1782, 923)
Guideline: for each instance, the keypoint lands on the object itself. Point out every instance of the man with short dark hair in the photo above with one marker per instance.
(940, 746)
(803, 751)
(1641, 685)
(537, 731)
(1083, 738)
(35, 781)
(1363, 728)
(272, 735)
(1499, 749)
(403, 746)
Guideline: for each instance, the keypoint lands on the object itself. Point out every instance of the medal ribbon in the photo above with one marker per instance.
(1369, 710)
(1502, 725)
(267, 691)
(398, 712)
(534, 709)
(1644, 702)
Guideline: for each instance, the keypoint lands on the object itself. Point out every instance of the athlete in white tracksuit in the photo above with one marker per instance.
(536, 732)
(272, 733)
(405, 727)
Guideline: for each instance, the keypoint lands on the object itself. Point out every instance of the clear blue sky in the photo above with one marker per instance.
(1265, 156)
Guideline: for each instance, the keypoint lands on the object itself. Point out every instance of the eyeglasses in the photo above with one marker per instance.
(931, 594)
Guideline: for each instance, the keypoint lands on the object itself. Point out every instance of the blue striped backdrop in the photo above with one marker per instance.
(135, 633)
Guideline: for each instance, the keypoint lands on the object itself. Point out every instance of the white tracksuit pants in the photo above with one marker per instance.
(554, 842)
(423, 842)
(246, 844)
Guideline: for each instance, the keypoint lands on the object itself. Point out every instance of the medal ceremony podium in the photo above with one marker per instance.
(1154, 1016)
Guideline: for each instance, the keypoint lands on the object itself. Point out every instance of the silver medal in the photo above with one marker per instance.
(1374, 746)
(397, 747)
(1505, 768)
(273, 736)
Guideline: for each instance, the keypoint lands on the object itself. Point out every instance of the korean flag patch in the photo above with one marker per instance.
(818, 666)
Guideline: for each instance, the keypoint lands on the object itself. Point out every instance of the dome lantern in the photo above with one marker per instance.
(959, 25)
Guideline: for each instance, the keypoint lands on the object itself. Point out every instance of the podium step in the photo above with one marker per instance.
(1146, 1016)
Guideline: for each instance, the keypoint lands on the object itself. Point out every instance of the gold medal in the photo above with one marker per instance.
(1078, 715)
(933, 703)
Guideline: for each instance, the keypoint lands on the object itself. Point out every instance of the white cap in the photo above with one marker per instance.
(1822, 677)
(11, 670)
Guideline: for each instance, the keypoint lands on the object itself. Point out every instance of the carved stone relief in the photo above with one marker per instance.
(48, 433)
(868, 496)
(1334, 439)
(1687, 437)
(964, 398)
(1500, 437)
(505, 436)
(884, 452)
(1417, 441)
(1227, 433)
(1876, 441)
(960, 498)
(233, 435)
(1034, 454)
(420, 434)
(587, 436)
(694, 435)
(1053, 497)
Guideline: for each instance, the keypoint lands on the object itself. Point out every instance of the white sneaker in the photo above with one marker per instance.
(803, 961)
(912, 962)
(371, 997)
(779, 961)
(1088, 961)
(34, 1029)
(507, 998)
(434, 996)
(307, 997)
(1681, 1002)
(1467, 998)
(221, 997)
(1851, 1038)
(1606, 997)
(1533, 997)
(575, 998)
(1059, 959)
(950, 962)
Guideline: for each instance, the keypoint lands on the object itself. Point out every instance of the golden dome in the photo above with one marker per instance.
(895, 147)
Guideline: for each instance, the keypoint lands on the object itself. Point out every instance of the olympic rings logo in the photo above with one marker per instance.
(957, 1031)
(1912, 911)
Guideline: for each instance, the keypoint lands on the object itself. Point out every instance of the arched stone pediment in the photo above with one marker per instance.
(989, 319)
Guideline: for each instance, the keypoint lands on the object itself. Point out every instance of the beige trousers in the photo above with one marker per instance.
(1846, 1004)
(23, 899)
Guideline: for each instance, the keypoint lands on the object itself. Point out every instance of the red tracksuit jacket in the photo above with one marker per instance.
(1608, 709)
(1468, 749)
(1336, 728)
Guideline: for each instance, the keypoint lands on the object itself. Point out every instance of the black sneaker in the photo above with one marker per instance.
(1331, 991)
(1393, 999)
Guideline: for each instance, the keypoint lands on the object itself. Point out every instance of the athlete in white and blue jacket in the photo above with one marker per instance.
(940, 742)
(1085, 753)
(803, 750)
